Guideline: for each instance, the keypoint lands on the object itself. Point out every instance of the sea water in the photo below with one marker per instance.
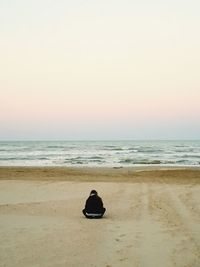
(100, 153)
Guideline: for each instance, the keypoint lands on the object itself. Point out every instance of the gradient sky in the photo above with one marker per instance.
(105, 69)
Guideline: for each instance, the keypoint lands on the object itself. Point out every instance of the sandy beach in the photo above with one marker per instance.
(152, 218)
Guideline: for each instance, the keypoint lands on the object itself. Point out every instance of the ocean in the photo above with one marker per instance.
(100, 153)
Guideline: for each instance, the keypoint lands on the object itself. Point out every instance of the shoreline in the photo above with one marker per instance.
(102, 174)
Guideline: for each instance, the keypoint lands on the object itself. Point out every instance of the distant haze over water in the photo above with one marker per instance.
(100, 153)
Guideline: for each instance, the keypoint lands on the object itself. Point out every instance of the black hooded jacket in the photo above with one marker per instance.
(94, 204)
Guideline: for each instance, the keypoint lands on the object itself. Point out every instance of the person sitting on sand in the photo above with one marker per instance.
(94, 206)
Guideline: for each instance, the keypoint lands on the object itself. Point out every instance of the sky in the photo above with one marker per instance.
(110, 69)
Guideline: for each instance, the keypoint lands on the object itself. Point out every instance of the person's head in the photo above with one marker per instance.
(93, 193)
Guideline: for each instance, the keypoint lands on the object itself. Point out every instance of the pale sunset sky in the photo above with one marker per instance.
(108, 69)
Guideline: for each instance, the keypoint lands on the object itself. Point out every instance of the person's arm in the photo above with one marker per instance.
(100, 202)
(87, 203)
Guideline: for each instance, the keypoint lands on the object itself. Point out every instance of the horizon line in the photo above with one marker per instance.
(96, 140)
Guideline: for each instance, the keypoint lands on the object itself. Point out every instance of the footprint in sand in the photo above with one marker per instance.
(123, 259)
(119, 240)
(122, 235)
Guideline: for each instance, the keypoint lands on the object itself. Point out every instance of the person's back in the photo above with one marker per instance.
(94, 206)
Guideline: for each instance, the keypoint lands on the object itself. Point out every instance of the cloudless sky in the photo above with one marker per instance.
(99, 69)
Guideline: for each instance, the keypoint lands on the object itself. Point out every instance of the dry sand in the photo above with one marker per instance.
(152, 218)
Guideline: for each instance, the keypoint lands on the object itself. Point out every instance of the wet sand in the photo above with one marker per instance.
(152, 218)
